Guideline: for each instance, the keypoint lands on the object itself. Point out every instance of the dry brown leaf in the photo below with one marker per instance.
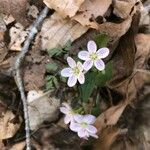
(66, 7)
(57, 31)
(110, 116)
(18, 36)
(17, 8)
(90, 10)
(122, 8)
(8, 127)
(18, 146)
(42, 107)
(33, 11)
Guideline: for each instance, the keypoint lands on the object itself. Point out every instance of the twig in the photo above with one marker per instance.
(142, 71)
(33, 31)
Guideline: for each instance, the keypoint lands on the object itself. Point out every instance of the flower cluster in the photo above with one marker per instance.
(82, 124)
(93, 57)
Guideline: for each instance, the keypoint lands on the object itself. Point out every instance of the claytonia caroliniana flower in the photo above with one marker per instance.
(93, 56)
(68, 111)
(82, 124)
(74, 72)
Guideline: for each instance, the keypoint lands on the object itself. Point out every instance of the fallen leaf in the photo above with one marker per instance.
(64, 8)
(42, 107)
(90, 10)
(33, 11)
(56, 31)
(8, 19)
(18, 146)
(17, 8)
(18, 36)
(8, 127)
(110, 116)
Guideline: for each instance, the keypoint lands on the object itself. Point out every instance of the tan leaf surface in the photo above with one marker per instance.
(18, 36)
(17, 8)
(110, 116)
(57, 31)
(7, 128)
(66, 7)
(90, 10)
(42, 107)
(18, 146)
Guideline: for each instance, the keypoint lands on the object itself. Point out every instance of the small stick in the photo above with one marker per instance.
(33, 31)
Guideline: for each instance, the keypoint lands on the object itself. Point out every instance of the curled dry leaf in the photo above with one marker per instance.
(18, 36)
(18, 146)
(90, 10)
(123, 8)
(8, 127)
(17, 8)
(66, 7)
(110, 116)
(57, 31)
(42, 107)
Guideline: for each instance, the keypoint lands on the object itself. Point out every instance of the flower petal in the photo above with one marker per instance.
(81, 78)
(87, 65)
(78, 118)
(67, 106)
(103, 52)
(67, 119)
(72, 81)
(83, 133)
(71, 62)
(66, 72)
(75, 126)
(80, 66)
(83, 55)
(91, 46)
(94, 135)
(99, 64)
(91, 129)
(64, 110)
(89, 119)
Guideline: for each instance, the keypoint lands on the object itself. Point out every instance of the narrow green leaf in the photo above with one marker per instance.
(101, 40)
(51, 67)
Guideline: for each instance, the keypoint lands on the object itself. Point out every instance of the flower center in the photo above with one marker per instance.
(76, 71)
(93, 56)
(83, 124)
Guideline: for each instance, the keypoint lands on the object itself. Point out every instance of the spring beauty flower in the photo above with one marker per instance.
(74, 72)
(93, 56)
(82, 124)
(69, 113)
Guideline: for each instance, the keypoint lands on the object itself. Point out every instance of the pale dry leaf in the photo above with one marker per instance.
(17, 8)
(90, 10)
(18, 35)
(8, 128)
(3, 51)
(57, 31)
(8, 19)
(66, 7)
(42, 107)
(33, 11)
(110, 116)
(122, 8)
(18, 146)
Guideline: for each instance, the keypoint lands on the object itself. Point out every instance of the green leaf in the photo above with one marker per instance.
(49, 85)
(55, 81)
(87, 88)
(105, 75)
(55, 52)
(101, 40)
(96, 109)
(67, 46)
(51, 67)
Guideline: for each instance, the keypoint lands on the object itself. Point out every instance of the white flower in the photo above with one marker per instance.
(74, 72)
(93, 56)
(82, 124)
(68, 111)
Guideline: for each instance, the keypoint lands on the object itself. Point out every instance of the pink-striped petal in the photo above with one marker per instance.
(87, 65)
(71, 62)
(99, 64)
(94, 135)
(89, 119)
(83, 133)
(78, 118)
(66, 105)
(64, 110)
(75, 126)
(103, 52)
(80, 66)
(66, 72)
(91, 46)
(67, 119)
(81, 78)
(72, 81)
(83, 55)
(91, 129)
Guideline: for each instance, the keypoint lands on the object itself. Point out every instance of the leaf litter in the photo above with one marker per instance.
(111, 97)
